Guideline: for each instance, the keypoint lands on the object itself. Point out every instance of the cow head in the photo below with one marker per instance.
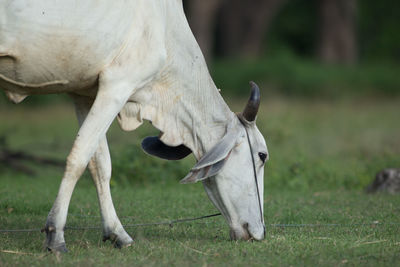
(232, 172)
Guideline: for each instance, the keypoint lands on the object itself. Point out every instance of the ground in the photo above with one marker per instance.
(323, 154)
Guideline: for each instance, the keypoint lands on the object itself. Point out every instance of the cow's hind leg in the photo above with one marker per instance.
(100, 169)
(109, 101)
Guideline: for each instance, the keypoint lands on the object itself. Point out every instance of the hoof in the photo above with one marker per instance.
(119, 241)
(54, 240)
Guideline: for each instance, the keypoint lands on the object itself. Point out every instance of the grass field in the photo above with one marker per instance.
(323, 154)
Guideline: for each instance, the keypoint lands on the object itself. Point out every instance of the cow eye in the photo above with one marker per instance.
(263, 156)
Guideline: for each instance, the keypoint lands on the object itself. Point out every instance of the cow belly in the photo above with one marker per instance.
(27, 76)
(49, 47)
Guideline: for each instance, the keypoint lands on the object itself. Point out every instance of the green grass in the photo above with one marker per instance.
(323, 154)
(207, 242)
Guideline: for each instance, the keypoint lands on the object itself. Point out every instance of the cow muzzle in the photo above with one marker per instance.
(244, 232)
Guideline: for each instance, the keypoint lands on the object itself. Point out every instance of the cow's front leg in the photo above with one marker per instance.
(100, 169)
(109, 101)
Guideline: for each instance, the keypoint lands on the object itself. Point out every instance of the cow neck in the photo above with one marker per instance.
(189, 111)
(185, 104)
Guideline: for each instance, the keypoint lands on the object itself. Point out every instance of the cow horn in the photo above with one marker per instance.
(251, 109)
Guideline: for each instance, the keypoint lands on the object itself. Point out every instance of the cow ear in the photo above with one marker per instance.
(213, 161)
(152, 145)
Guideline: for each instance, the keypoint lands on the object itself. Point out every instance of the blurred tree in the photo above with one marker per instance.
(378, 30)
(337, 41)
(202, 20)
(294, 30)
(244, 25)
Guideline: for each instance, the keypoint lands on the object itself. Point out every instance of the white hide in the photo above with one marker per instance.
(135, 60)
(233, 190)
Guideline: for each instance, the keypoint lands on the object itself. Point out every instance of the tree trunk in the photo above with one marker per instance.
(231, 27)
(258, 17)
(337, 41)
(244, 25)
(202, 19)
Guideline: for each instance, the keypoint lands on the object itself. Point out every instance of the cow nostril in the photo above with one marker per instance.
(240, 233)
(247, 234)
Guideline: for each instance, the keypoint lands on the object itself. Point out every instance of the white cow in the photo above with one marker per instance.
(135, 60)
